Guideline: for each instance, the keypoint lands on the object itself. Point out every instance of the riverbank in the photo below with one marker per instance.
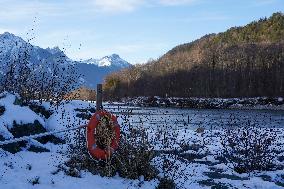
(261, 103)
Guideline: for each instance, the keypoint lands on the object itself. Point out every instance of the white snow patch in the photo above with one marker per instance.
(21, 115)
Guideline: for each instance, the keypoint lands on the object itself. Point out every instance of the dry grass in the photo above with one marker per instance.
(104, 132)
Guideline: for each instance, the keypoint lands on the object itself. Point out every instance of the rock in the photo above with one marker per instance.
(32, 129)
(2, 110)
(40, 110)
(85, 116)
(50, 138)
(37, 149)
(13, 147)
(200, 130)
(19, 130)
(192, 156)
(213, 184)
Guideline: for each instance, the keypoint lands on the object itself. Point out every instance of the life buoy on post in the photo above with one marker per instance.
(95, 148)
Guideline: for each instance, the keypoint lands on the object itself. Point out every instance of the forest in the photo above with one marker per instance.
(240, 62)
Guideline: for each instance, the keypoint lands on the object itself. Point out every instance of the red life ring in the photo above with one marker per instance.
(94, 150)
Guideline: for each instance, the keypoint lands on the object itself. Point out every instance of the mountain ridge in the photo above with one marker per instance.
(110, 60)
(12, 47)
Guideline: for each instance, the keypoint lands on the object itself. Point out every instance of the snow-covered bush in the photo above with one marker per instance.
(249, 148)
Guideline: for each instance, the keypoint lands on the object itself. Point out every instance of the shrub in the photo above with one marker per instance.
(29, 167)
(134, 156)
(34, 181)
(19, 130)
(166, 184)
(131, 160)
(249, 148)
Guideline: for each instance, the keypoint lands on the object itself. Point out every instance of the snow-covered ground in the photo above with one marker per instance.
(196, 167)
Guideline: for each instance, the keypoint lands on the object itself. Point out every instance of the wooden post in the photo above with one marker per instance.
(99, 101)
(188, 119)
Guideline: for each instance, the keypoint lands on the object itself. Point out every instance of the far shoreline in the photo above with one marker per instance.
(254, 103)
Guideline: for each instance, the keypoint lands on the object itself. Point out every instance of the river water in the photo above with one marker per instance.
(194, 118)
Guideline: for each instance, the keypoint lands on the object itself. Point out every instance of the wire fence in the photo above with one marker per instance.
(39, 135)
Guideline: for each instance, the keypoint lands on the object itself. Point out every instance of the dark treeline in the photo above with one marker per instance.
(241, 62)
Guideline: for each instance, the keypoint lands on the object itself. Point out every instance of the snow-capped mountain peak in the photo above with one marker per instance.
(107, 61)
(54, 50)
(9, 36)
(8, 40)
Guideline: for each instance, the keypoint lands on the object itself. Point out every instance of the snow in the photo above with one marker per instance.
(5, 133)
(104, 62)
(65, 116)
(111, 60)
(15, 172)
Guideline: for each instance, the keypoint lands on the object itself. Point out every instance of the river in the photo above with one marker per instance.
(195, 118)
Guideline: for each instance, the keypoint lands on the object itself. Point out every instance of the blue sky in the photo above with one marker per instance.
(137, 30)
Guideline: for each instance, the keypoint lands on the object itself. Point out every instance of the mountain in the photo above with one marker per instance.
(113, 60)
(95, 70)
(16, 54)
(240, 62)
(27, 68)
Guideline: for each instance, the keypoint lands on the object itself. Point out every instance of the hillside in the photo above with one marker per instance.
(81, 93)
(240, 62)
